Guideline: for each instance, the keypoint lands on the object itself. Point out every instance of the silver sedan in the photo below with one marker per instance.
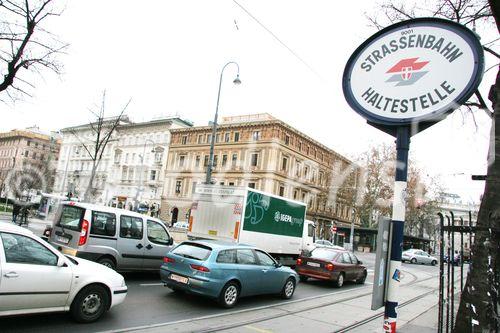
(416, 256)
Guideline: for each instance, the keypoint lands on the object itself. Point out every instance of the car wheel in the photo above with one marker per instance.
(90, 303)
(434, 263)
(362, 279)
(303, 278)
(229, 295)
(413, 260)
(108, 262)
(288, 288)
(340, 281)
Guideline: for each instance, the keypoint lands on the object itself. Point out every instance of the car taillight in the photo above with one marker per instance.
(168, 260)
(84, 233)
(200, 268)
(329, 267)
(299, 262)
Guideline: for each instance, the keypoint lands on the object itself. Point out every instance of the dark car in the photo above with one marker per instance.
(225, 271)
(337, 265)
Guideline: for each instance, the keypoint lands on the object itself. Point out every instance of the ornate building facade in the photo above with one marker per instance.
(264, 153)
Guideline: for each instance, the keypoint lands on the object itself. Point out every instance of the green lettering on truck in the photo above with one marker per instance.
(271, 215)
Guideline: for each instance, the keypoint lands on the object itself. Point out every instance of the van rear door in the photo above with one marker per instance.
(68, 226)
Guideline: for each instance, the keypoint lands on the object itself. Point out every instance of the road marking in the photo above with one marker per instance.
(257, 329)
(150, 284)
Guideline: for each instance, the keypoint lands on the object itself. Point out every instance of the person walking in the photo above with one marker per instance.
(15, 212)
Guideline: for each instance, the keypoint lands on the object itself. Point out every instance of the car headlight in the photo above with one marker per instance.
(123, 283)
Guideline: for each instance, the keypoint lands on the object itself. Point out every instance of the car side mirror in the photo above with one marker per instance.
(170, 241)
(277, 265)
(360, 262)
(61, 262)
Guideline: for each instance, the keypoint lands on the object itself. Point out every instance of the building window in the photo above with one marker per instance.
(200, 138)
(205, 162)
(216, 158)
(224, 160)
(295, 194)
(217, 137)
(118, 156)
(178, 185)
(287, 139)
(306, 171)
(197, 161)
(184, 139)
(297, 169)
(307, 150)
(256, 136)
(28, 143)
(158, 157)
(281, 191)
(251, 185)
(227, 136)
(231, 184)
(300, 146)
(182, 159)
(194, 187)
(34, 155)
(254, 159)
(126, 158)
(152, 175)
(284, 164)
(26, 153)
(236, 136)
(221, 183)
(209, 138)
(234, 159)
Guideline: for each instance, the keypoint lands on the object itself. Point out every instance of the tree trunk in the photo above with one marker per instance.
(87, 197)
(479, 302)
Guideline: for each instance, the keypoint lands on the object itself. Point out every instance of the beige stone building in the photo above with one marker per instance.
(28, 150)
(264, 153)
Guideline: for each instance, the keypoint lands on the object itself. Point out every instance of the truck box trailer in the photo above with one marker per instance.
(243, 215)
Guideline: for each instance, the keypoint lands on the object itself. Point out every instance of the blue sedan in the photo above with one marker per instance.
(225, 271)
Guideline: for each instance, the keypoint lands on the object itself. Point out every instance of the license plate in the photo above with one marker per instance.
(313, 264)
(63, 240)
(178, 278)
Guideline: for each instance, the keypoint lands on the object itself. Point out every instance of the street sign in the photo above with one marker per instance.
(333, 229)
(381, 260)
(413, 71)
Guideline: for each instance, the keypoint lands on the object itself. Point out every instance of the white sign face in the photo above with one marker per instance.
(413, 71)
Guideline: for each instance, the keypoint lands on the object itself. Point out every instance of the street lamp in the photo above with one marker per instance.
(236, 81)
(141, 181)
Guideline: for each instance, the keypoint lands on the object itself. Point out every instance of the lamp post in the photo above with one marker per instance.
(236, 81)
(141, 181)
(352, 229)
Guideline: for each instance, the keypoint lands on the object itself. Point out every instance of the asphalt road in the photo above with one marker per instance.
(149, 302)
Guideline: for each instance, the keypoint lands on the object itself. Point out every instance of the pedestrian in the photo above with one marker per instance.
(15, 212)
(24, 218)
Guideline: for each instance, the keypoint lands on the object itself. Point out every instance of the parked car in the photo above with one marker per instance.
(416, 256)
(36, 278)
(337, 265)
(324, 242)
(225, 271)
(181, 225)
(117, 238)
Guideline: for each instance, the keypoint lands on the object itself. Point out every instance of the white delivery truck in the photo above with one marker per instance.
(244, 215)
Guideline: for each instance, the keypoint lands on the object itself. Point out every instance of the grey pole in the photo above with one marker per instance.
(352, 229)
(208, 178)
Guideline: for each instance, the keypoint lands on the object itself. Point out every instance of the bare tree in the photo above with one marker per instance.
(478, 309)
(25, 46)
(101, 131)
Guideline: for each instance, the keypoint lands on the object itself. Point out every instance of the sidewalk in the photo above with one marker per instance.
(34, 224)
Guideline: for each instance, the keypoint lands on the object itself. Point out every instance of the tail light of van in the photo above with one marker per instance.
(190, 227)
(299, 262)
(200, 268)
(84, 233)
(329, 266)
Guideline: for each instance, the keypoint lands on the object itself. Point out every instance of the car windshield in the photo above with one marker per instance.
(324, 253)
(71, 217)
(192, 251)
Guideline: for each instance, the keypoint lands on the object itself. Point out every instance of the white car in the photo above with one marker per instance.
(36, 278)
(181, 225)
(416, 256)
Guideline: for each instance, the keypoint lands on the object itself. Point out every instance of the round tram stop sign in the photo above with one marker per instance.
(413, 71)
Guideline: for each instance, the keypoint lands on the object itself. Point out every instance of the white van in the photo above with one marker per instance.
(120, 239)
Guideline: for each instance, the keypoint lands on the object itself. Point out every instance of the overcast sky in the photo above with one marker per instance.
(167, 56)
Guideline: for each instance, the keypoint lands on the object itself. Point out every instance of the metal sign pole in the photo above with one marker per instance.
(398, 218)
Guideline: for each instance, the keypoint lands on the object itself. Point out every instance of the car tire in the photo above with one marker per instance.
(362, 279)
(229, 295)
(288, 288)
(413, 260)
(303, 278)
(108, 262)
(90, 304)
(340, 280)
(434, 263)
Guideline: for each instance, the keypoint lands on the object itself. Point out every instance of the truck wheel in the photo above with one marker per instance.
(303, 278)
(340, 281)
(108, 262)
(288, 288)
(89, 304)
(229, 295)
